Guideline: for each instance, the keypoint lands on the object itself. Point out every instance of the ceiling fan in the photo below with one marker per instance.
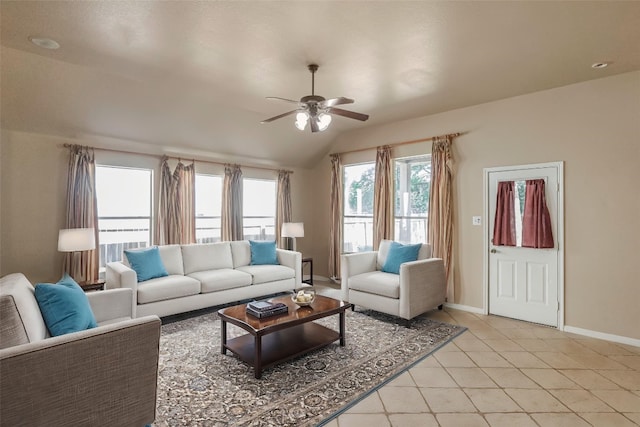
(315, 109)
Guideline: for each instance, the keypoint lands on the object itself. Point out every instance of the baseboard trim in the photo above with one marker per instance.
(461, 307)
(603, 336)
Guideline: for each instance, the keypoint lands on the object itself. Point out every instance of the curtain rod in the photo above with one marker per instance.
(396, 144)
(113, 150)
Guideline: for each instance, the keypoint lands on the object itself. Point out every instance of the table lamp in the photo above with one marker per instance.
(76, 240)
(293, 230)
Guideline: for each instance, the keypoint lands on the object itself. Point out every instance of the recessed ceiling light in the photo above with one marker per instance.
(600, 65)
(44, 42)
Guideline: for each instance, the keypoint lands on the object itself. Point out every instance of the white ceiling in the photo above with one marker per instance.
(193, 76)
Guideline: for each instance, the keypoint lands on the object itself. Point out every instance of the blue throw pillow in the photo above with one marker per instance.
(146, 263)
(64, 307)
(263, 253)
(398, 254)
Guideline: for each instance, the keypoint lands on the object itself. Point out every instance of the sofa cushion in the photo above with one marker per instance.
(241, 252)
(172, 258)
(209, 256)
(399, 254)
(19, 287)
(11, 328)
(383, 250)
(167, 287)
(268, 273)
(263, 253)
(147, 263)
(64, 307)
(378, 283)
(218, 280)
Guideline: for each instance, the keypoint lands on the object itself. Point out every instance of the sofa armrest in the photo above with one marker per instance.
(119, 275)
(112, 304)
(422, 286)
(354, 264)
(102, 376)
(292, 259)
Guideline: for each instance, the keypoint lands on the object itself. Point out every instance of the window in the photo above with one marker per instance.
(412, 183)
(208, 208)
(124, 210)
(357, 221)
(259, 209)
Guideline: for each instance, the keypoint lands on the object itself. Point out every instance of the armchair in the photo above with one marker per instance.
(101, 376)
(420, 286)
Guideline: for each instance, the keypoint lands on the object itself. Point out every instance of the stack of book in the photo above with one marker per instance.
(262, 309)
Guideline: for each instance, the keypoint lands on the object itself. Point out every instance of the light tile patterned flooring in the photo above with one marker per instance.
(504, 372)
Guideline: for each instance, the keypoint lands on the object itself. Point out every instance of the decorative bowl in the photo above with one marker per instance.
(304, 297)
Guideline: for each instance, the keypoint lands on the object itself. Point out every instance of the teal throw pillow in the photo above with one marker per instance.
(398, 254)
(263, 253)
(146, 263)
(64, 307)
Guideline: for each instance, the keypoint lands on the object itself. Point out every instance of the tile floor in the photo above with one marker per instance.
(504, 372)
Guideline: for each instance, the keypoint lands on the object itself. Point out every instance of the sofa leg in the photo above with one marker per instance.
(407, 323)
(440, 307)
(353, 307)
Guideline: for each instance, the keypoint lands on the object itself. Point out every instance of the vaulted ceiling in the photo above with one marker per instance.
(192, 77)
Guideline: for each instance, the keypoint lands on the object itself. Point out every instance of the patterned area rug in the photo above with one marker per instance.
(198, 386)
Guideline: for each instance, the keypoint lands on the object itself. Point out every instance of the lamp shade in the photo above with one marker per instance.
(76, 239)
(292, 229)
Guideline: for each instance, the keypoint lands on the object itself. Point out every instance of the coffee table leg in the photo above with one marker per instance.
(342, 328)
(223, 329)
(257, 358)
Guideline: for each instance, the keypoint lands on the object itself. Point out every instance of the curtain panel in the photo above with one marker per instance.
(231, 216)
(440, 220)
(383, 197)
(536, 221)
(283, 206)
(335, 226)
(176, 205)
(504, 224)
(82, 211)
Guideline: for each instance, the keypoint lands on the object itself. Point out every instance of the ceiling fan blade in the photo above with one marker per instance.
(279, 116)
(283, 99)
(335, 101)
(349, 114)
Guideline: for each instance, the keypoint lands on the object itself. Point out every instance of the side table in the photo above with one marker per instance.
(98, 285)
(310, 262)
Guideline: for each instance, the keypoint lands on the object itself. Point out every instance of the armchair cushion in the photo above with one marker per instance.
(146, 263)
(398, 254)
(378, 283)
(64, 307)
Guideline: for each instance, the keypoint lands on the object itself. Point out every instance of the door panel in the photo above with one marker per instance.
(523, 282)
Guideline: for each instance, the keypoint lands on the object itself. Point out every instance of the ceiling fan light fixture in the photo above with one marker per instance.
(302, 118)
(323, 120)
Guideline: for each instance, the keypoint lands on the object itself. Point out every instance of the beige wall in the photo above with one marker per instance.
(33, 177)
(33, 205)
(594, 127)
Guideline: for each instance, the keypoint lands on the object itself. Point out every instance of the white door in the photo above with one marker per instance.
(524, 283)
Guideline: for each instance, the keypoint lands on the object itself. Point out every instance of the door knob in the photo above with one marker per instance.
(493, 251)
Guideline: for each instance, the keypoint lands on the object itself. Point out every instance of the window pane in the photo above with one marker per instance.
(208, 208)
(124, 210)
(357, 227)
(412, 183)
(259, 209)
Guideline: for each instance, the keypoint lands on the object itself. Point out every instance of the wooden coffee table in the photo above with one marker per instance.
(275, 339)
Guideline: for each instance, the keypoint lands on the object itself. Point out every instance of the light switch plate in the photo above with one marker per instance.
(477, 220)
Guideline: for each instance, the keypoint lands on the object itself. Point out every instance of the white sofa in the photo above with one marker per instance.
(104, 376)
(420, 286)
(205, 275)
